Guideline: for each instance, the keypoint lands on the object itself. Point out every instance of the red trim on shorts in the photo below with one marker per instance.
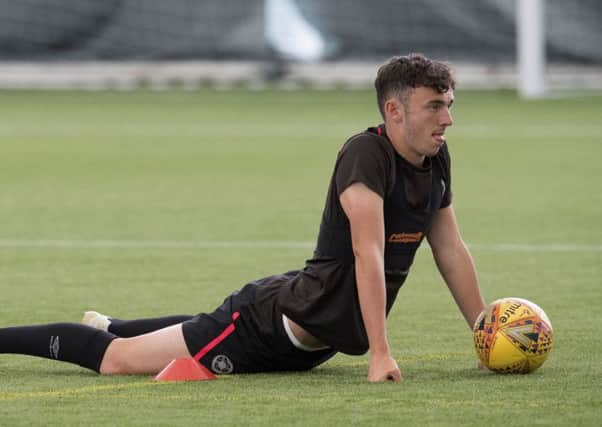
(214, 342)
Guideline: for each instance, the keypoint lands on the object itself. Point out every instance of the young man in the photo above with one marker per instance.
(390, 188)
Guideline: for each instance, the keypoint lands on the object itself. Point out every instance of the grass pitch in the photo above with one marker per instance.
(142, 204)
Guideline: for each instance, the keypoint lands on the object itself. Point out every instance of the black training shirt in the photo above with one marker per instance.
(322, 297)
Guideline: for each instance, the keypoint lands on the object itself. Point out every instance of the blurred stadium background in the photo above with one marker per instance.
(132, 43)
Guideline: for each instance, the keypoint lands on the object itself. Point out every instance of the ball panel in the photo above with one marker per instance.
(505, 356)
(513, 309)
(484, 333)
(537, 309)
(545, 339)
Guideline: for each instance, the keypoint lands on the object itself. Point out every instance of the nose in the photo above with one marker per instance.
(445, 119)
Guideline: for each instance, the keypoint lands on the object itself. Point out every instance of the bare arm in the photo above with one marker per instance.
(456, 264)
(364, 208)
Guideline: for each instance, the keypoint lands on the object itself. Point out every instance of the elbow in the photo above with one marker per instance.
(367, 252)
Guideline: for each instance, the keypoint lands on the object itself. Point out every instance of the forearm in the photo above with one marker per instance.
(369, 271)
(458, 270)
(364, 208)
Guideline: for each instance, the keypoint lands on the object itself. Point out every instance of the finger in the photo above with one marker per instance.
(381, 379)
(394, 376)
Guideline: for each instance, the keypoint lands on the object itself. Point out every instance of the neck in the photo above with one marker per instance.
(399, 142)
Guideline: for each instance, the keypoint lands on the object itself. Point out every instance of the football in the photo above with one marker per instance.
(513, 335)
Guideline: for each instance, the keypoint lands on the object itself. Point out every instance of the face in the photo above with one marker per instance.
(421, 122)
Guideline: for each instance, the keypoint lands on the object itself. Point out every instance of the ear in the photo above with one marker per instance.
(394, 110)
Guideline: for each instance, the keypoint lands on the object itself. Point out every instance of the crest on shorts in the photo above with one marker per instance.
(222, 364)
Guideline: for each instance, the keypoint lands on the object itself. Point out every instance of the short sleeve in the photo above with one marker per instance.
(364, 159)
(446, 171)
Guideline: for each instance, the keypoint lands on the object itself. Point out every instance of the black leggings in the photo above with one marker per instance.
(132, 328)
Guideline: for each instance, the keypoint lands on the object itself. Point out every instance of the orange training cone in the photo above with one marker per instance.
(185, 369)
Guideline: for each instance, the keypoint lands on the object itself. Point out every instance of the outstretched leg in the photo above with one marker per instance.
(134, 328)
(96, 349)
(68, 342)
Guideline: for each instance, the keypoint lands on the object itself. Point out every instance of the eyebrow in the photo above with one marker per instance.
(440, 102)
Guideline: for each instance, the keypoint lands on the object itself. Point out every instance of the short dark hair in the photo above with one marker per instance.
(400, 74)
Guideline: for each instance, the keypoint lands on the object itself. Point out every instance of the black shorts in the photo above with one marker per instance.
(251, 347)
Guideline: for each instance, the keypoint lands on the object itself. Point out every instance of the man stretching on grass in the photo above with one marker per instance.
(390, 188)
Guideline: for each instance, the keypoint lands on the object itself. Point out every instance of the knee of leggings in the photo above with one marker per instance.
(116, 360)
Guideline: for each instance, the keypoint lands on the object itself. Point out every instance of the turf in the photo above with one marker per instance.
(142, 203)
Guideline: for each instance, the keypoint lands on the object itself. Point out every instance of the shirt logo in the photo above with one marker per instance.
(405, 237)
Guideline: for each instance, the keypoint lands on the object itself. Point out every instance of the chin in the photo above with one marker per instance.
(434, 151)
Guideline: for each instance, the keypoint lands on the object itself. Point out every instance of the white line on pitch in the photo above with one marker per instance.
(263, 244)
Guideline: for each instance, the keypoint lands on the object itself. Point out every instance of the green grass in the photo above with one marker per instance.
(139, 168)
